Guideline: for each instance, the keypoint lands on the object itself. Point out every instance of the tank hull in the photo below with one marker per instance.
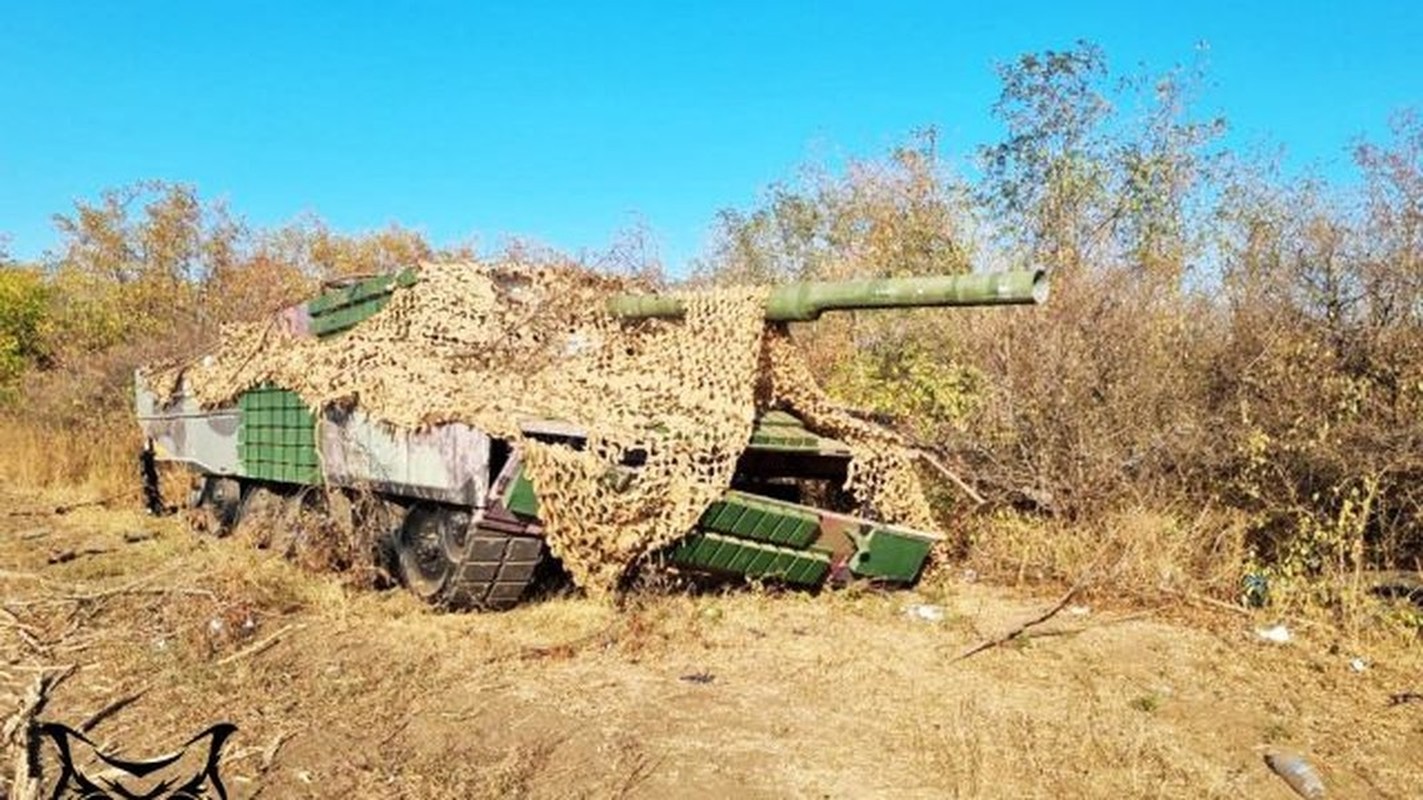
(269, 441)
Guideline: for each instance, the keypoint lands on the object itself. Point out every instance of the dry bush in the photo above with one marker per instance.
(1250, 353)
(1139, 551)
(100, 455)
(1090, 402)
(1323, 451)
(330, 531)
(1303, 442)
(1319, 394)
(73, 423)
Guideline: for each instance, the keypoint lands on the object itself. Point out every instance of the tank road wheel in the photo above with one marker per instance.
(429, 547)
(215, 505)
(450, 561)
(224, 496)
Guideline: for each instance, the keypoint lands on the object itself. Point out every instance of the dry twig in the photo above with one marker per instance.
(950, 475)
(1023, 628)
(1205, 601)
(603, 636)
(60, 592)
(28, 634)
(65, 508)
(258, 647)
(136, 586)
(112, 709)
(16, 622)
(269, 754)
(25, 783)
(69, 554)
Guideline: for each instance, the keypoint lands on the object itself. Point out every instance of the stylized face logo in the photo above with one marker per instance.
(188, 773)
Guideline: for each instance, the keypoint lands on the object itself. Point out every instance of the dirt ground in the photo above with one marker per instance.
(740, 693)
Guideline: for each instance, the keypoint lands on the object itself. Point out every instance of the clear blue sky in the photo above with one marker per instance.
(564, 122)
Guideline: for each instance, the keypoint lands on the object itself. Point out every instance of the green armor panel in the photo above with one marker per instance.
(276, 437)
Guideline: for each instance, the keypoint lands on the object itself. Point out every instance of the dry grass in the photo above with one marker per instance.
(1138, 552)
(101, 456)
(1141, 557)
(746, 693)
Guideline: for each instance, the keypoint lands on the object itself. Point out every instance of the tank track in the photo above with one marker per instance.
(501, 561)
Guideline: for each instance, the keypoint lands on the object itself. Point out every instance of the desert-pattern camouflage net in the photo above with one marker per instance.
(882, 476)
(497, 345)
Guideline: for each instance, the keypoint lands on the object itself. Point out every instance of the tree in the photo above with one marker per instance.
(24, 319)
(1077, 184)
(1392, 277)
(309, 245)
(1047, 182)
(132, 264)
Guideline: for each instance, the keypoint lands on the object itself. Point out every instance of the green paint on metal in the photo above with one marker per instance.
(337, 310)
(807, 300)
(890, 553)
(276, 437)
(522, 499)
(717, 553)
(751, 517)
(777, 430)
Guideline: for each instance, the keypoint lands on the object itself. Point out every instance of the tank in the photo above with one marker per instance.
(468, 517)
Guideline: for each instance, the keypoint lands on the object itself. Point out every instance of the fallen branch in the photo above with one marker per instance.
(1205, 601)
(394, 732)
(65, 508)
(112, 709)
(136, 586)
(602, 636)
(28, 634)
(65, 556)
(183, 590)
(949, 474)
(1023, 628)
(1400, 698)
(269, 755)
(33, 642)
(16, 622)
(85, 599)
(102, 501)
(258, 647)
(16, 733)
(127, 588)
(35, 699)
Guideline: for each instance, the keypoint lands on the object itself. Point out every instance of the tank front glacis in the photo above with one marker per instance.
(508, 418)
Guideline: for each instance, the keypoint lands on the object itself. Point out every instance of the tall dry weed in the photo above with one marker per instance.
(100, 457)
(1138, 552)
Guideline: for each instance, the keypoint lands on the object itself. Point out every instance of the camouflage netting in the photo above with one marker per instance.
(493, 346)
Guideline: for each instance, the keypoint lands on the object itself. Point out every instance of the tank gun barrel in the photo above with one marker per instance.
(807, 300)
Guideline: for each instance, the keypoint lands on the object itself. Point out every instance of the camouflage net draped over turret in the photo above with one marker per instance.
(493, 346)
